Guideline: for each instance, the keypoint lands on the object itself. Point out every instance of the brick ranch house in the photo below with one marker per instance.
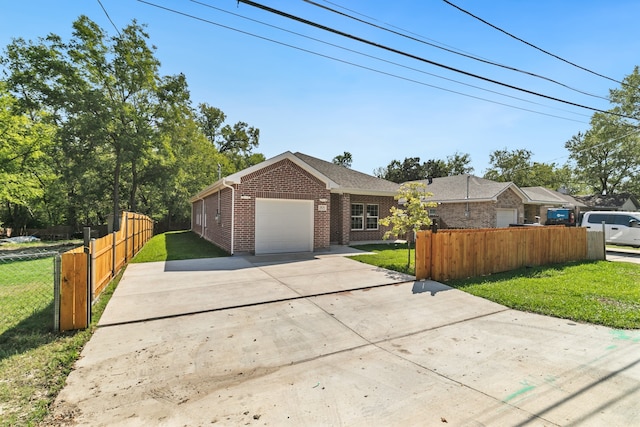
(292, 203)
(467, 201)
(298, 203)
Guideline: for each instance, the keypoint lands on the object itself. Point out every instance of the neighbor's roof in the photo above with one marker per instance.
(338, 179)
(468, 188)
(542, 195)
(609, 201)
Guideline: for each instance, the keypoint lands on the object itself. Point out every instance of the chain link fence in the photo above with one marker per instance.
(27, 290)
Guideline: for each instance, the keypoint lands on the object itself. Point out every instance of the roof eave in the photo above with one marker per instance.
(362, 192)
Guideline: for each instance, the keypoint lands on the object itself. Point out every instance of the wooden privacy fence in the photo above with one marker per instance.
(458, 254)
(85, 272)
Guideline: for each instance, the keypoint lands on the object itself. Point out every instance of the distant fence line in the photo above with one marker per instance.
(457, 254)
(85, 272)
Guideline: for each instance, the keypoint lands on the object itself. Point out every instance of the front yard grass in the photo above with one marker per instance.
(392, 256)
(35, 361)
(176, 245)
(602, 293)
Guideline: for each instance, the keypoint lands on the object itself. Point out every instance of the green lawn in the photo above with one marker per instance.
(34, 360)
(392, 256)
(603, 293)
(176, 245)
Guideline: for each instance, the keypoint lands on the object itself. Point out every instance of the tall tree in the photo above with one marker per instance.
(510, 166)
(516, 166)
(410, 169)
(24, 142)
(607, 156)
(104, 94)
(343, 159)
(236, 141)
(458, 164)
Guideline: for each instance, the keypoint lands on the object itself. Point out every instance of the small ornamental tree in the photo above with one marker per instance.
(412, 216)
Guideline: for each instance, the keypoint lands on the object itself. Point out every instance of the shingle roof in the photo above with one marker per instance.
(542, 195)
(609, 201)
(348, 179)
(466, 188)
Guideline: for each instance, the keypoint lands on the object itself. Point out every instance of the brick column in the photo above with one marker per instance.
(346, 219)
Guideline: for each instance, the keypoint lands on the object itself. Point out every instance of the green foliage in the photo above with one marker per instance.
(94, 128)
(24, 141)
(607, 156)
(345, 159)
(177, 245)
(413, 215)
(410, 169)
(516, 166)
(236, 141)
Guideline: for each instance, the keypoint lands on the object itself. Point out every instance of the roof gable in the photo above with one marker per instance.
(349, 180)
(338, 179)
(543, 195)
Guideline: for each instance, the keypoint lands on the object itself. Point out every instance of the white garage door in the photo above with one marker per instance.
(283, 226)
(504, 217)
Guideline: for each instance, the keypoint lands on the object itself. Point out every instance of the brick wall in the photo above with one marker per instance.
(481, 214)
(196, 217)
(217, 228)
(384, 205)
(282, 180)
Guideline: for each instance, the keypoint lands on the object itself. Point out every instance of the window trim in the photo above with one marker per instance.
(361, 216)
(377, 217)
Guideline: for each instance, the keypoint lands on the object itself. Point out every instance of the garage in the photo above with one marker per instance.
(283, 225)
(504, 217)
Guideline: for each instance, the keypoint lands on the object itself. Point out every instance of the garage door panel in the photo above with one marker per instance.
(283, 226)
(504, 217)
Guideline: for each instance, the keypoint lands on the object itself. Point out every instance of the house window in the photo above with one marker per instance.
(357, 216)
(372, 217)
(433, 212)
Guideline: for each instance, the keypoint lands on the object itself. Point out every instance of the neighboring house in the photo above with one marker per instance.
(467, 201)
(614, 202)
(541, 199)
(292, 203)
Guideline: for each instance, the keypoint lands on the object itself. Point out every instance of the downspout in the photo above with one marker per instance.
(466, 212)
(202, 220)
(233, 210)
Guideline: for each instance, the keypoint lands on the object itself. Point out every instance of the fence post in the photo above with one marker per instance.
(125, 217)
(87, 252)
(604, 241)
(113, 253)
(57, 265)
(92, 282)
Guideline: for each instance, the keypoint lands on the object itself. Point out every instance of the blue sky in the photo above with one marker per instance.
(322, 107)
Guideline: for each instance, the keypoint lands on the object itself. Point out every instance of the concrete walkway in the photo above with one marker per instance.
(323, 340)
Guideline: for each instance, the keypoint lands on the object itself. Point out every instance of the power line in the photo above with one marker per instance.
(109, 18)
(350, 63)
(475, 58)
(382, 59)
(530, 44)
(418, 58)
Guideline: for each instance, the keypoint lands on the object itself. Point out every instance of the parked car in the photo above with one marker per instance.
(620, 228)
(561, 216)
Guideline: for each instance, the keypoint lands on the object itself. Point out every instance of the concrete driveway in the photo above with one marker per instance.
(324, 340)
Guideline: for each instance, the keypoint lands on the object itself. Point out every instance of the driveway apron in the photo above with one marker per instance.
(324, 340)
